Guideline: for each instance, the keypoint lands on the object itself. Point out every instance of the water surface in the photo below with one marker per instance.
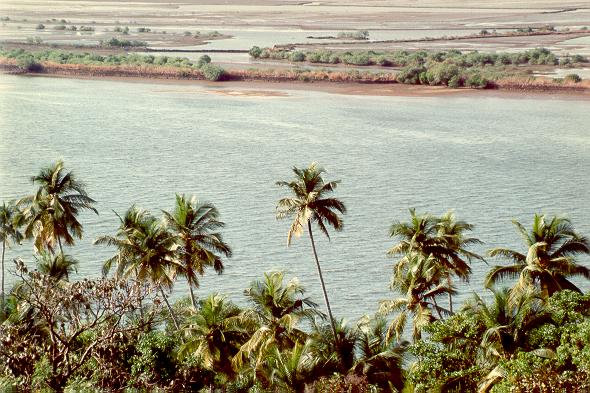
(491, 159)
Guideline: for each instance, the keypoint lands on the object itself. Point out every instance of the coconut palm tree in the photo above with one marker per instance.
(310, 204)
(420, 283)
(443, 238)
(380, 360)
(214, 334)
(507, 320)
(145, 250)
(52, 212)
(289, 370)
(277, 309)
(10, 221)
(58, 266)
(333, 354)
(549, 258)
(200, 245)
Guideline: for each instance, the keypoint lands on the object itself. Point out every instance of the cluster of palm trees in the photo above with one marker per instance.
(266, 341)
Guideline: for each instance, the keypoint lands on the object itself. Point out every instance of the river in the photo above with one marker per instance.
(491, 159)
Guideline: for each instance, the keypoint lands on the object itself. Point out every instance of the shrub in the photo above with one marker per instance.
(477, 81)
(212, 72)
(410, 74)
(40, 26)
(205, 59)
(143, 30)
(29, 64)
(297, 56)
(59, 27)
(255, 52)
(573, 78)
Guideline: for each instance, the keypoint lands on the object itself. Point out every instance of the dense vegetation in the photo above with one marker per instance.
(452, 68)
(121, 333)
(32, 61)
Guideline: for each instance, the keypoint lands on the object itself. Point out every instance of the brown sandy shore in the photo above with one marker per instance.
(240, 84)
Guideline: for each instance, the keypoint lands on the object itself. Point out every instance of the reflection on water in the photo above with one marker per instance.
(491, 159)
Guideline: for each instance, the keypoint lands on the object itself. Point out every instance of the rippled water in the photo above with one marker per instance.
(491, 159)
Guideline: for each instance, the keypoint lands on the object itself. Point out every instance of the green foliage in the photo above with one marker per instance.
(118, 43)
(573, 78)
(29, 64)
(155, 361)
(212, 72)
(297, 56)
(205, 59)
(255, 52)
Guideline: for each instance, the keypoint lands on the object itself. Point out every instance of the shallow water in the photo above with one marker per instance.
(491, 159)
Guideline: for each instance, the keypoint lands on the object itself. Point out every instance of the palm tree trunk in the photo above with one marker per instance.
(436, 307)
(60, 248)
(2, 289)
(450, 296)
(169, 307)
(315, 254)
(190, 288)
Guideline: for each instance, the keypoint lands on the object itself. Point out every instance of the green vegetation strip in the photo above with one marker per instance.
(443, 68)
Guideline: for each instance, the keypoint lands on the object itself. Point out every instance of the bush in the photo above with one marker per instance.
(410, 74)
(297, 56)
(255, 52)
(59, 27)
(573, 78)
(29, 64)
(477, 81)
(40, 26)
(212, 72)
(205, 59)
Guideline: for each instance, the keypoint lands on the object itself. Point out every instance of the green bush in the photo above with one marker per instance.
(297, 56)
(40, 26)
(410, 74)
(29, 64)
(255, 52)
(205, 59)
(573, 78)
(212, 72)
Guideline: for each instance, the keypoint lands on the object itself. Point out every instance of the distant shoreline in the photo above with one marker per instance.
(338, 83)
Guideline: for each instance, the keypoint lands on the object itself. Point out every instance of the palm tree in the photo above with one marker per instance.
(333, 354)
(59, 266)
(420, 283)
(10, 221)
(145, 250)
(549, 259)
(507, 320)
(277, 308)
(443, 238)
(200, 245)
(214, 334)
(311, 204)
(52, 212)
(289, 370)
(381, 360)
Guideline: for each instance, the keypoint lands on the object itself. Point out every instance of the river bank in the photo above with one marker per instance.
(345, 82)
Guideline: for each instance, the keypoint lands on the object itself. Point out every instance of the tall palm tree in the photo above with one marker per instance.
(58, 266)
(214, 334)
(200, 245)
(549, 258)
(420, 283)
(443, 238)
(10, 221)
(52, 212)
(311, 204)
(277, 309)
(145, 250)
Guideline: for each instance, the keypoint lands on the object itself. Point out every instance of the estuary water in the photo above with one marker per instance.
(491, 159)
